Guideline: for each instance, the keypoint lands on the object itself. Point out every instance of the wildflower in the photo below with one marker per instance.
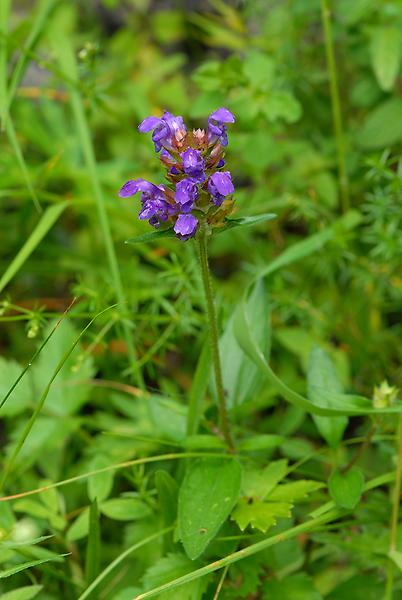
(194, 160)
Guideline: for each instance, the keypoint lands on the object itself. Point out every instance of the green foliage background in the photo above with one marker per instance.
(76, 78)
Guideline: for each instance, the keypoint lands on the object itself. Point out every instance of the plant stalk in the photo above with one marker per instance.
(336, 105)
(394, 516)
(213, 331)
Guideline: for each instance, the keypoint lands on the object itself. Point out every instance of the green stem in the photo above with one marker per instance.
(213, 330)
(394, 516)
(336, 105)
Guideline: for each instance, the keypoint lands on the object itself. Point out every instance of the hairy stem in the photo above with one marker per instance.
(336, 105)
(394, 516)
(213, 330)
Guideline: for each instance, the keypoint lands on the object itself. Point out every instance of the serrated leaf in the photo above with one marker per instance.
(346, 488)
(23, 593)
(385, 52)
(152, 236)
(207, 495)
(100, 485)
(258, 514)
(259, 483)
(294, 491)
(125, 509)
(321, 379)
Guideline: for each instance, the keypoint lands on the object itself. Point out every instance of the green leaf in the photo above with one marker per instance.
(385, 52)
(198, 388)
(241, 378)
(322, 378)
(92, 557)
(168, 490)
(207, 495)
(264, 441)
(100, 485)
(21, 396)
(294, 491)
(168, 417)
(346, 488)
(28, 565)
(245, 221)
(259, 483)
(396, 556)
(258, 514)
(23, 593)
(282, 105)
(293, 587)
(383, 126)
(170, 567)
(46, 222)
(152, 236)
(79, 529)
(203, 441)
(125, 509)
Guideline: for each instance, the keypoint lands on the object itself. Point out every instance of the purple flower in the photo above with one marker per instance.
(216, 126)
(185, 226)
(193, 164)
(220, 185)
(155, 205)
(186, 194)
(165, 129)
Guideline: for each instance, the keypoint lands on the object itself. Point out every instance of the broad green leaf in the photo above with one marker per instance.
(258, 483)
(23, 593)
(125, 509)
(322, 378)
(254, 443)
(385, 52)
(70, 389)
(294, 491)
(364, 586)
(282, 105)
(259, 68)
(21, 396)
(79, 529)
(40, 511)
(241, 378)
(46, 222)
(152, 236)
(207, 495)
(335, 404)
(383, 126)
(168, 417)
(170, 567)
(100, 485)
(261, 515)
(294, 587)
(168, 490)
(346, 488)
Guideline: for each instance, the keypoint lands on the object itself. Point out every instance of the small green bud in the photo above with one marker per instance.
(384, 395)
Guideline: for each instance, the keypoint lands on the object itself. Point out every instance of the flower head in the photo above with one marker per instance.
(193, 159)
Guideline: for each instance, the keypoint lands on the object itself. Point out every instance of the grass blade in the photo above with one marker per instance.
(92, 560)
(46, 222)
(4, 17)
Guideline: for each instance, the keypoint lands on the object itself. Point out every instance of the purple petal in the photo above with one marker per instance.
(222, 182)
(185, 226)
(148, 124)
(223, 115)
(186, 194)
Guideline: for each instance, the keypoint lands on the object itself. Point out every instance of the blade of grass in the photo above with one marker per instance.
(44, 11)
(120, 558)
(69, 67)
(46, 222)
(123, 465)
(4, 17)
(198, 389)
(38, 408)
